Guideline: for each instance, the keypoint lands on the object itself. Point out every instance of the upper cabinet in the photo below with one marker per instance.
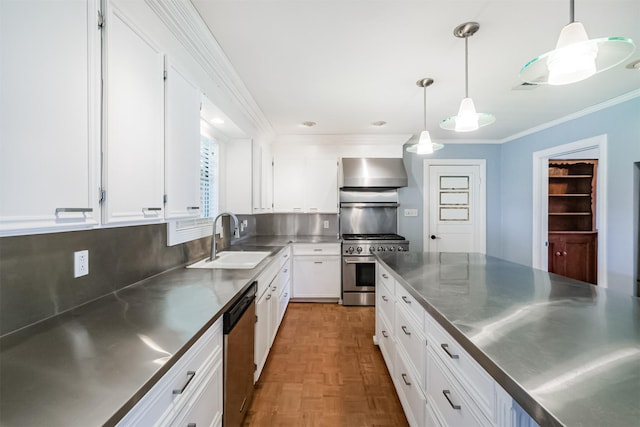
(49, 116)
(237, 177)
(262, 178)
(305, 183)
(134, 125)
(182, 146)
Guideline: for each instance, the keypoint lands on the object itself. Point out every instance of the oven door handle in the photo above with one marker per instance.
(359, 260)
(369, 205)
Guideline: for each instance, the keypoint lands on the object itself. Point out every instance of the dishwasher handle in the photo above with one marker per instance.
(233, 315)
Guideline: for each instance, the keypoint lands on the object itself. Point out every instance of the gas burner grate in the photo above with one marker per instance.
(372, 237)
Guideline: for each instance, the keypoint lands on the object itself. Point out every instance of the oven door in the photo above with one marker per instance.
(358, 274)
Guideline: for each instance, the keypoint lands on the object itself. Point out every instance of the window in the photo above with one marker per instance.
(194, 228)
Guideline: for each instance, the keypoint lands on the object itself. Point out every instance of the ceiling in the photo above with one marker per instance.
(348, 63)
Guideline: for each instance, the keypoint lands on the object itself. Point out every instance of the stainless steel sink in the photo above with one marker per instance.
(233, 260)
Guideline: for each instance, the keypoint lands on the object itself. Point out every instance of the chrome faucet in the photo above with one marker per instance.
(236, 232)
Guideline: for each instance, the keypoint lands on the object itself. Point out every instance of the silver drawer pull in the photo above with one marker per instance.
(385, 276)
(384, 298)
(317, 262)
(274, 288)
(285, 270)
(446, 395)
(190, 376)
(191, 425)
(286, 294)
(404, 378)
(152, 209)
(193, 208)
(404, 298)
(317, 249)
(445, 347)
(268, 297)
(384, 334)
(404, 329)
(73, 210)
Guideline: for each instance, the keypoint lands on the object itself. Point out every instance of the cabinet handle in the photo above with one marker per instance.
(268, 297)
(286, 294)
(445, 347)
(73, 210)
(385, 276)
(297, 209)
(317, 249)
(564, 253)
(152, 209)
(558, 254)
(317, 262)
(404, 329)
(384, 334)
(274, 288)
(285, 270)
(191, 425)
(404, 378)
(313, 209)
(190, 376)
(384, 298)
(193, 208)
(446, 395)
(404, 298)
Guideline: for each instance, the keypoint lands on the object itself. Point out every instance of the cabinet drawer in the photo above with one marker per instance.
(316, 249)
(385, 278)
(284, 276)
(285, 256)
(266, 277)
(471, 376)
(386, 342)
(285, 296)
(411, 397)
(411, 341)
(205, 406)
(447, 400)
(385, 303)
(409, 303)
(169, 394)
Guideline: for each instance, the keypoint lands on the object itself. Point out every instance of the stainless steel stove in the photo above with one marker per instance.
(358, 265)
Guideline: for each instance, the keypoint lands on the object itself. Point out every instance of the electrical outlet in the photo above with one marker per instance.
(411, 212)
(80, 263)
(326, 224)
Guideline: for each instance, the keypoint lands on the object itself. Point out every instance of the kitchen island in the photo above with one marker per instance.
(566, 351)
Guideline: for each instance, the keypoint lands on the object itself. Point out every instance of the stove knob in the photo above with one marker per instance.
(380, 249)
(350, 250)
(371, 249)
(400, 249)
(359, 249)
(392, 248)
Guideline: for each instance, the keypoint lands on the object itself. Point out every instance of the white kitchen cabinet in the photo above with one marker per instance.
(262, 178)
(49, 116)
(134, 125)
(182, 145)
(316, 271)
(237, 177)
(262, 335)
(305, 184)
(190, 390)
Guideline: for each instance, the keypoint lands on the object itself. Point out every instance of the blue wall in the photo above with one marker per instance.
(510, 188)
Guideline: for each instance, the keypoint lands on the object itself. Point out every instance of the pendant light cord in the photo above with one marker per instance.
(424, 96)
(571, 12)
(466, 67)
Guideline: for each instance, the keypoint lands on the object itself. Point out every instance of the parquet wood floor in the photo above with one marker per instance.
(324, 370)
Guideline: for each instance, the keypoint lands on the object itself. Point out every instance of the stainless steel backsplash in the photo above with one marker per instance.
(296, 224)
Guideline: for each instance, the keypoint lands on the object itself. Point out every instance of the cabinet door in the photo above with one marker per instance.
(49, 115)
(237, 177)
(134, 125)
(574, 256)
(289, 186)
(182, 146)
(321, 185)
(262, 343)
(316, 277)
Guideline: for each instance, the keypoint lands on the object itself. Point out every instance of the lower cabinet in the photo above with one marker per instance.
(190, 392)
(437, 381)
(316, 271)
(574, 255)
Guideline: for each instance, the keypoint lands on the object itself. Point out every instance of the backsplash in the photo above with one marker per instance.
(36, 271)
(296, 224)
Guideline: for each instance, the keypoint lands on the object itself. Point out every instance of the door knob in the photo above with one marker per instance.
(433, 237)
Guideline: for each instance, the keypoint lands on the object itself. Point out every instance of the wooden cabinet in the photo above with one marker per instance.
(316, 271)
(49, 116)
(305, 184)
(134, 125)
(182, 146)
(573, 238)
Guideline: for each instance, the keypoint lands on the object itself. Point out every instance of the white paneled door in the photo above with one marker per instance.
(455, 211)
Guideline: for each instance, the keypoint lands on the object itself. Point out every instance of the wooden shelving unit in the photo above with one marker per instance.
(572, 219)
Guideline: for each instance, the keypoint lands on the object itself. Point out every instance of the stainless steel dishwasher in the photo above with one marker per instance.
(239, 330)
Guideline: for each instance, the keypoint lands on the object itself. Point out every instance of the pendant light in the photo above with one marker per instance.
(424, 145)
(467, 119)
(575, 57)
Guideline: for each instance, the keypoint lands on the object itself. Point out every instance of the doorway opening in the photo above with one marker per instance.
(591, 148)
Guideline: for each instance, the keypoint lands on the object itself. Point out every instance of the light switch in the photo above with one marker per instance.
(411, 212)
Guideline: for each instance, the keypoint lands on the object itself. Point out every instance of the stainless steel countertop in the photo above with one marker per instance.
(286, 239)
(568, 352)
(90, 365)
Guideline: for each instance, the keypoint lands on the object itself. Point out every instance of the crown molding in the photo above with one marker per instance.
(361, 139)
(184, 22)
(589, 110)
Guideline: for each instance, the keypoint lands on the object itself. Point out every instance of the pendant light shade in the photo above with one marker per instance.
(467, 119)
(425, 145)
(575, 57)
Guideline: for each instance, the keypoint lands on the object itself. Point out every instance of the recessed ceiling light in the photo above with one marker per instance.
(217, 121)
(309, 124)
(379, 123)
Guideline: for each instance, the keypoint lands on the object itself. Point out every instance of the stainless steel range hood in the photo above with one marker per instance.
(370, 172)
